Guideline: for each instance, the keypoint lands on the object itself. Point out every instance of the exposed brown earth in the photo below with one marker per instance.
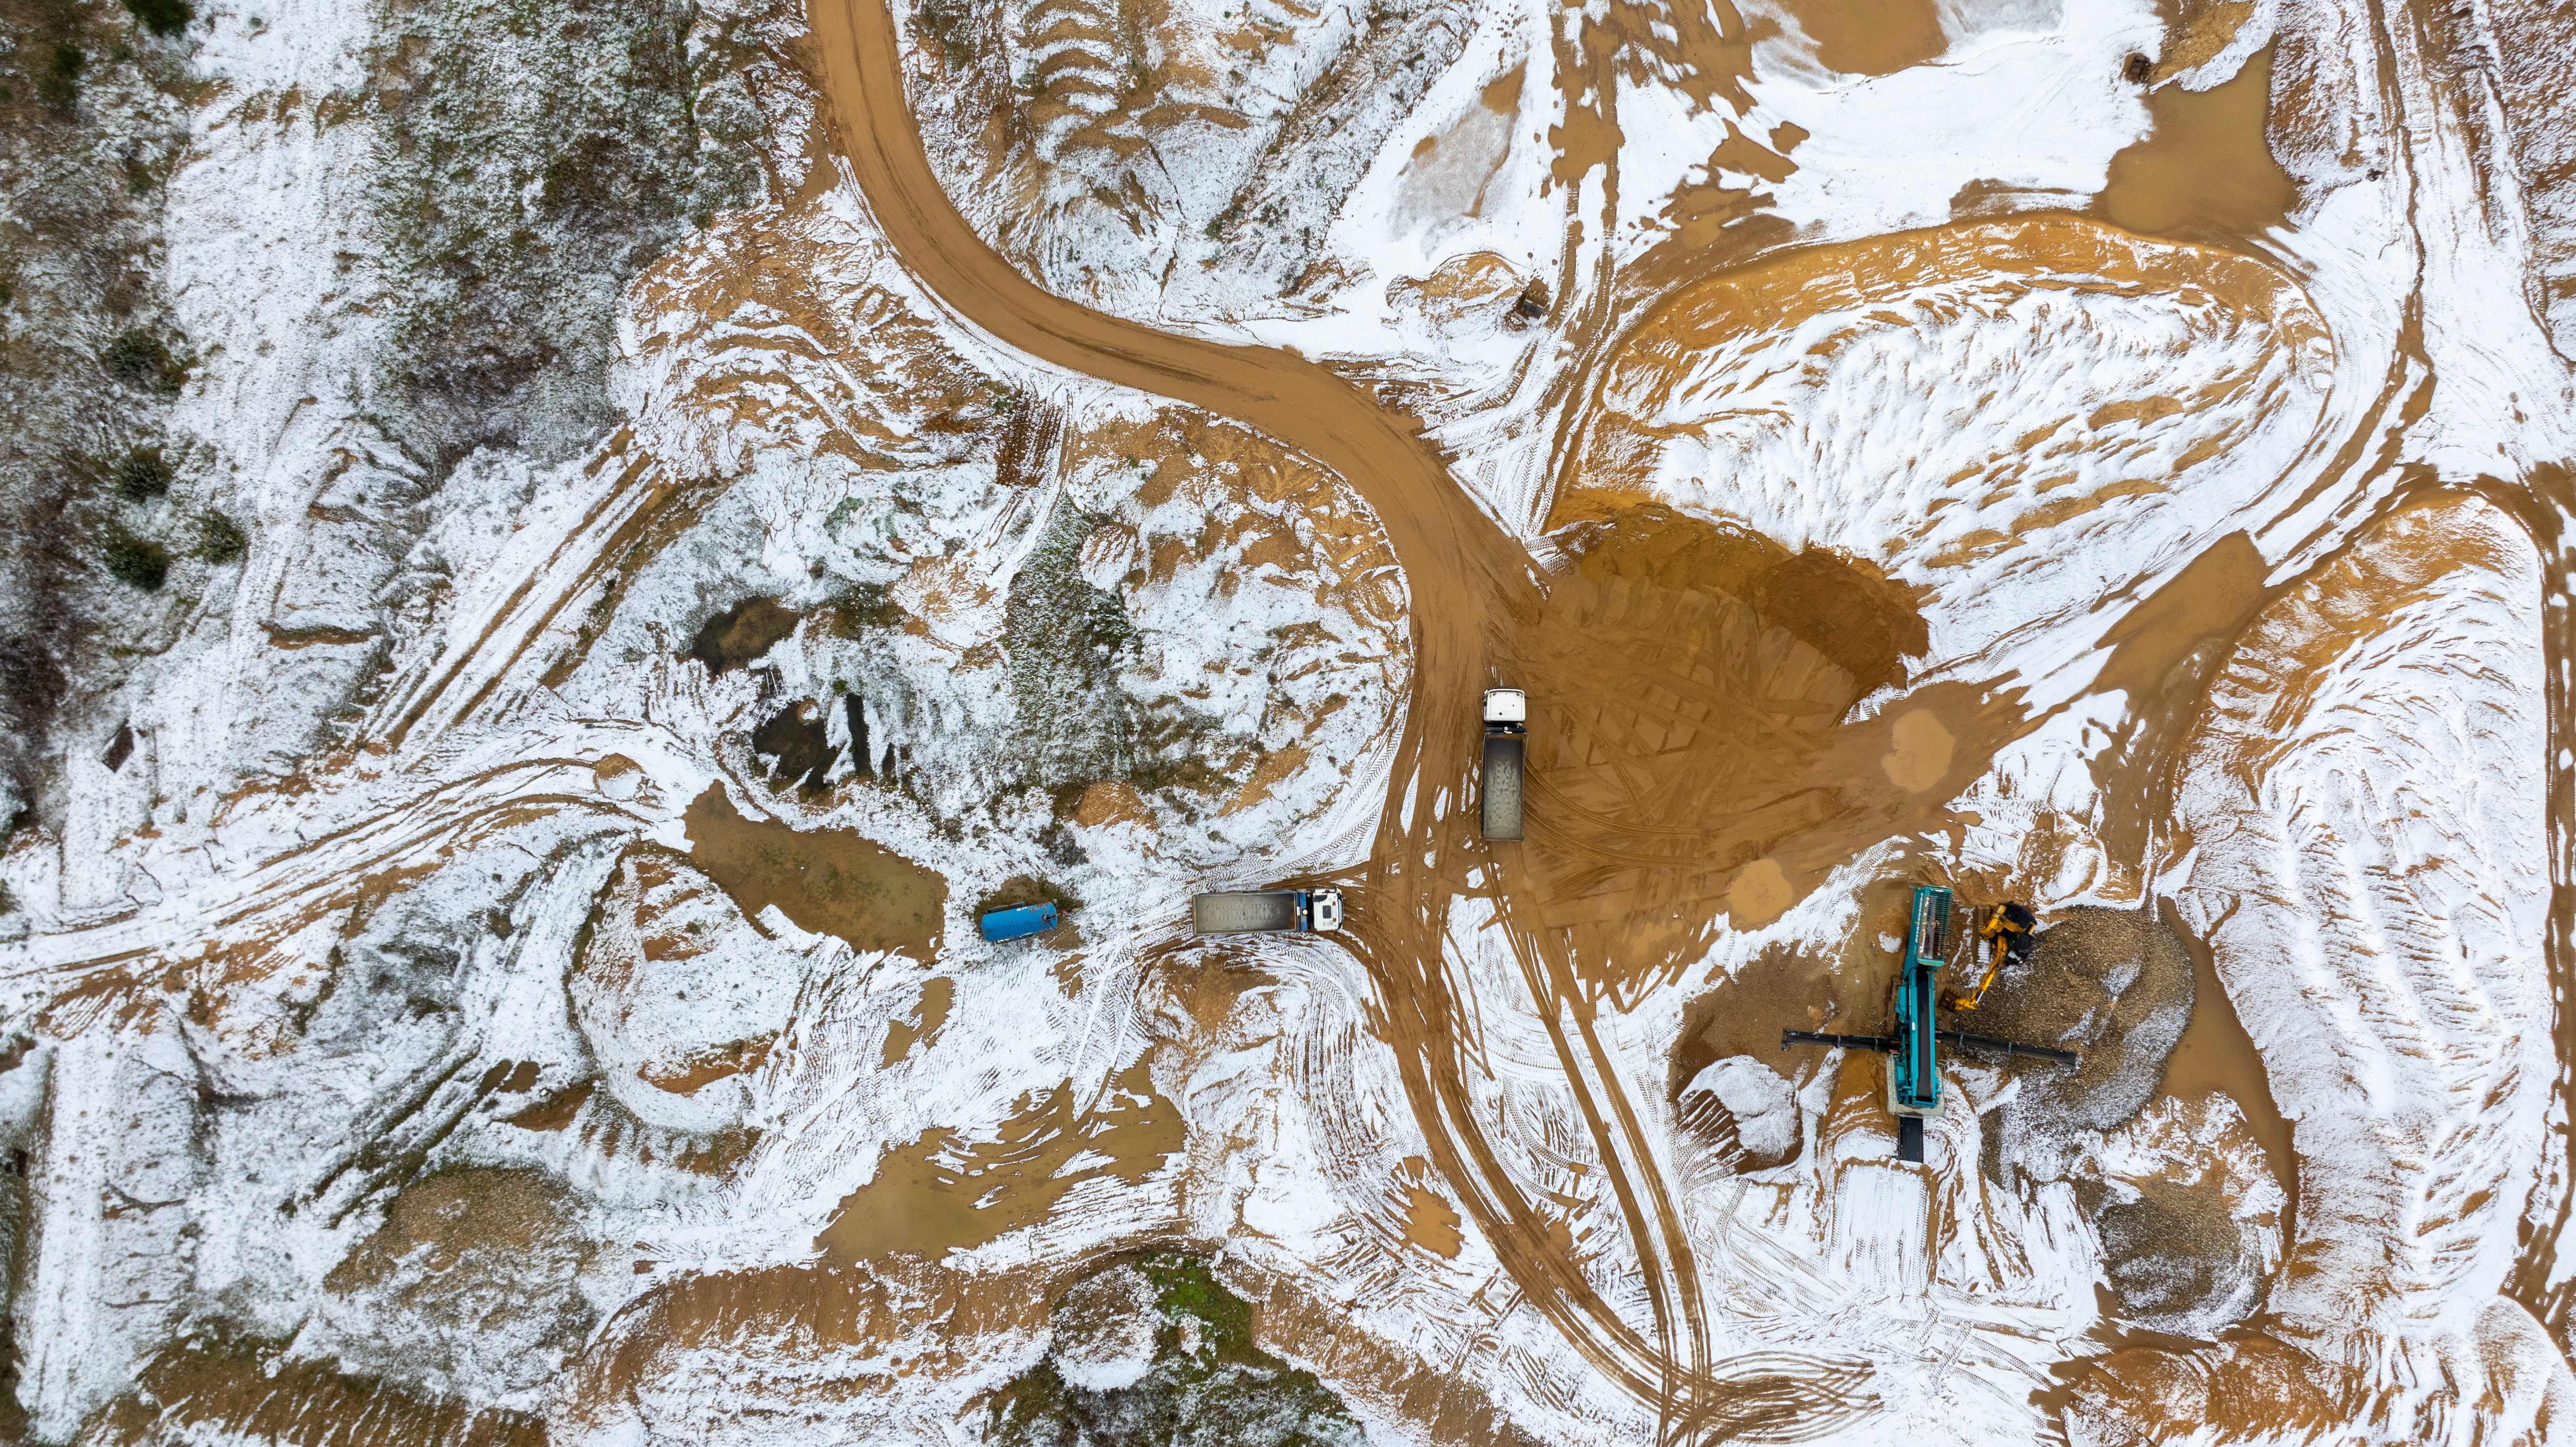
(830, 881)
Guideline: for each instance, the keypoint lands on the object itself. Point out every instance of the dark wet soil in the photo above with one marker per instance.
(741, 633)
(798, 741)
(1866, 623)
(555, 1111)
(2169, 1251)
(1027, 889)
(1689, 753)
(2111, 984)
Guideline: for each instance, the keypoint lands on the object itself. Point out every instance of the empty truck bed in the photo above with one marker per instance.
(1225, 914)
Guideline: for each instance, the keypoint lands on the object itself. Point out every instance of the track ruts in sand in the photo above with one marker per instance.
(1466, 577)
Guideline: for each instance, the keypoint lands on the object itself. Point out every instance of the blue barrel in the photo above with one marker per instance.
(1012, 924)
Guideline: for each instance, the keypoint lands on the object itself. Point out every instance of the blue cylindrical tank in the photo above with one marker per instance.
(1012, 924)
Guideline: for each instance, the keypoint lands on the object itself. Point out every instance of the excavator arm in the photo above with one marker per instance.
(2007, 934)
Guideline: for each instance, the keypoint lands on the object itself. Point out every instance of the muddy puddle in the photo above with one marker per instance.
(921, 1028)
(1870, 37)
(942, 1191)
(2165, 649)
(1430, 1223)
(2216, 1057)
(829, 881)
(2206, 170)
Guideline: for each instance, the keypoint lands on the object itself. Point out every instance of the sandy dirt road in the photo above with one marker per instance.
(1468, 582)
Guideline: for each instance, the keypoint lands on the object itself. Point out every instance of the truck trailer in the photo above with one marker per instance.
(1269, 911)
(1506, 741)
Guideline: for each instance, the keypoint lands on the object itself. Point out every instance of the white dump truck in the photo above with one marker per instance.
(1506, 742)
(1269, 911)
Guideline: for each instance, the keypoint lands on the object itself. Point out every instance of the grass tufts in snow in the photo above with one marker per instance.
(1066, 641)
(139, 359)
(137, 562)
(141, 475)
(164, 18)
(218, 1386)
(58, 85)
(220, 539)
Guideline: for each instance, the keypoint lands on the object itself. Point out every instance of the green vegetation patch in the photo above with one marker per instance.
(135, 561)
(220, 539)
(1209, 1384)
(58, 85)
(532, 156)
(141, 474)
(1066, 641)
(162, 17)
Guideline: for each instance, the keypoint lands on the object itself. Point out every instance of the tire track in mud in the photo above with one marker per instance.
(1467, 578)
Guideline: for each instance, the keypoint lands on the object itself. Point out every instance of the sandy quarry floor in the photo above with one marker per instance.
(506, 968)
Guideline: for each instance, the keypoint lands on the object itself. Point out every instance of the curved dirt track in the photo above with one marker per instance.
(1466, 579)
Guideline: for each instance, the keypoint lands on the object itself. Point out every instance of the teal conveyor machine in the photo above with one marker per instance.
(1914, 1071)
(1913, 1050)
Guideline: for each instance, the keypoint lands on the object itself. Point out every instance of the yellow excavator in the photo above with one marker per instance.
(2010, 934)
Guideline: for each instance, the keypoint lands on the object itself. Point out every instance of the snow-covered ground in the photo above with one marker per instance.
(517, 966)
